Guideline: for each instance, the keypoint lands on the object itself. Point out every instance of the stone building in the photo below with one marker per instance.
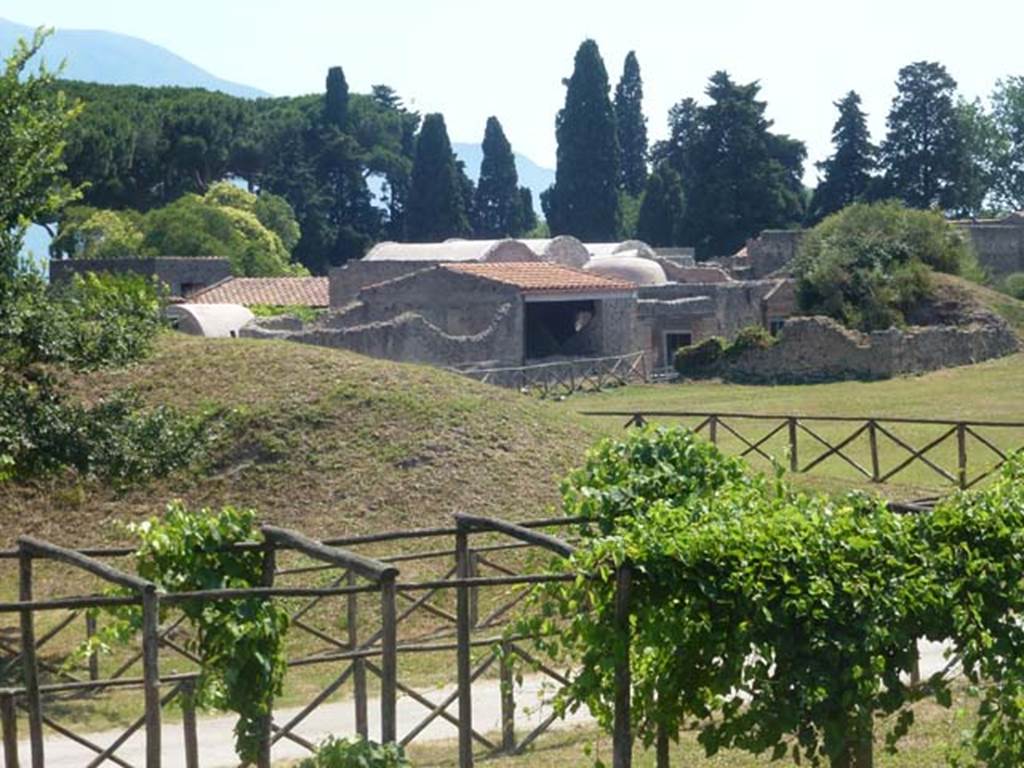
(182, 276)
(309, 292)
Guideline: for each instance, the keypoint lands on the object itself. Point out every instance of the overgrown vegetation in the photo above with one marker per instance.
(705, 357)
(356, 753)
(779, 622)
(1014, 285)
(867, 265)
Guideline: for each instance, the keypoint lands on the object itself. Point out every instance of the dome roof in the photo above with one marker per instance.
(642, 249)
(452, 251)
(628, 265)
(564, 249)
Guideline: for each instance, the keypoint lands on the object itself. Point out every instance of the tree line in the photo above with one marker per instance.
(723, 175)
(359, 168)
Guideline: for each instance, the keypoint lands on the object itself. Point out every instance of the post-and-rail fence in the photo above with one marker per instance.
(480, 572)
(561, 378)
(935, 453)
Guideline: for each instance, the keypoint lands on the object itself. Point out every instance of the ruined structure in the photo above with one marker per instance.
(182, 276)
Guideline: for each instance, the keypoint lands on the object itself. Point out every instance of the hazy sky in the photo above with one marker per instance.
(473, 59)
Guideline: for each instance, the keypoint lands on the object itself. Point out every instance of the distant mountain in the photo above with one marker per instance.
(531, 175)
(107, 57)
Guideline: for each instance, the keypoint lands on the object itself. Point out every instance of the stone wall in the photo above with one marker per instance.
(181, 275)
(735, 304)
(694, 315)
(820, 349)
(346, 282)
(1000, 247)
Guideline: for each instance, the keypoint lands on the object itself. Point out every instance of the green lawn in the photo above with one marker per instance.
(990, 391)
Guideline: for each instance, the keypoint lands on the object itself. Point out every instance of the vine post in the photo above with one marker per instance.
(622, 735)
(389, 659)
(188, 724)
(462, 631)
(359, 664)
(29, 664)
(267, 580)
(151, 672)
(508, 702)
(9, 720)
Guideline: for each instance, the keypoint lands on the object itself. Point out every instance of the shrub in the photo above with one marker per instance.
(1014, 285)
(751, 337)
(868, 264)
(356, 753)
(699, 359)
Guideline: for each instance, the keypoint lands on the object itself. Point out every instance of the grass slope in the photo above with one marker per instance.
(327, 441)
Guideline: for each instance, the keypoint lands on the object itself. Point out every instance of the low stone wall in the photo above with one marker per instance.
(819, 349)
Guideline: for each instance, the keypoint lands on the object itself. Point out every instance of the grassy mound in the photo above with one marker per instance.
(323, 440)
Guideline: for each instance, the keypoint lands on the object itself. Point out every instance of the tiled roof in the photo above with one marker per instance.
(534, 277)
(283, 291)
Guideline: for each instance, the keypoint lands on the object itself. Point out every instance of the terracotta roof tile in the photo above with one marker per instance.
(282, 291)
(542, 277)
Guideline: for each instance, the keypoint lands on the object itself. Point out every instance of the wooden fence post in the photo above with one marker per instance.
(961, 454)
(188, 724)
(358, 665)
(794, 460)
(151, 673)
(873, 443)
(462, 630)
(389, 660)
(622, 735)
(9, 719)
(713, 429)
(508, 699)
(94, 657)
(28, 660)
(266, 726)
(474, 592)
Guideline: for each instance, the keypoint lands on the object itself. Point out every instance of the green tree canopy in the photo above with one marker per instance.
(437, 204)
(921, 154)
(661, 213)
(631, 126)
(497, 205)
(584, 199)
(869, 264)
(1008, 112)
(739, 177)
(847, 172)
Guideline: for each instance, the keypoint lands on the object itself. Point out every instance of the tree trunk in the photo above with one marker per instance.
(859, 751)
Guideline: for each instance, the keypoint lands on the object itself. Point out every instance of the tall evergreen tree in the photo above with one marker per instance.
(584, 200)
(527, 214)
(847, 173)
(661, 213)
(496, 206)
(921, 151)
(739, 177)
(336, 99)
(436, 207)
(631, 126)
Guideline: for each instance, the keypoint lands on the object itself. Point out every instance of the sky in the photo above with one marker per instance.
(473, 58)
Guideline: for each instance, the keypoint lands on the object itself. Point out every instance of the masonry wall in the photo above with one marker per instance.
(347, 281)
(734, 305)
(820, 349)
(177, 273)
(1000, 247)
(655, 318)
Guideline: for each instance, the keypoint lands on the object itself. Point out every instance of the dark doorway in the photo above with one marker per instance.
(675, 340)
(560, 328)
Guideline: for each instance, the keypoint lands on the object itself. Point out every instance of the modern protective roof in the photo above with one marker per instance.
(214, 321)
(608, 249)
(539, 278)
(275, 291)
(564, 249)
(627, 266)
(452, 251)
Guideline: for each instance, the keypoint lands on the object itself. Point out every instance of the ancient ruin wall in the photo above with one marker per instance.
(820, 349)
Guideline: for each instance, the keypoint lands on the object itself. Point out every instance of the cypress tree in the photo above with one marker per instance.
(497, 208)
(661, 212)
(847, 173)
(436, 208)
(631, 126)
(527, 214)
(336, 99)
(584, 200)
(921, 151)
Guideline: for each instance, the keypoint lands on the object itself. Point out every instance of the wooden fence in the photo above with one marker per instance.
(959, 453)
(563, 377)
(371, 642)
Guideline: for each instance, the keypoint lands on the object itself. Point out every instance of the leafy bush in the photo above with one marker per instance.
(780, 622)
(868, 264)
(751, 337)
(1014, 285)
(356, 753)
(698, 359)
(114, 440)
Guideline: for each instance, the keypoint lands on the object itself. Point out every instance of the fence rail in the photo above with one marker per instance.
(878, 449)
(564, 377)
(369, 644)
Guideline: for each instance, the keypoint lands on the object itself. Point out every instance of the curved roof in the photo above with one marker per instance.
(214, 321)
(642, 249)
(564, 249)
(452, 251)
(628, 266)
